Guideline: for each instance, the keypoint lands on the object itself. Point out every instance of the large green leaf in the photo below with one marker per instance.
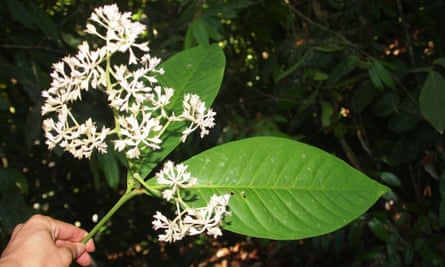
(198, 70)
(282, 189)
(432, 100)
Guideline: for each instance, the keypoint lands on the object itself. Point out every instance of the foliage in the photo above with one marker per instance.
(360, 79)
(282, 189)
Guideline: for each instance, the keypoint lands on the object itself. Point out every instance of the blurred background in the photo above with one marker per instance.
(361, 79)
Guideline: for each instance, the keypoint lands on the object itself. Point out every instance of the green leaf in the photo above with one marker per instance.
(380, 76)
(329, 48)
(13, 208)
(188, 40)
(282, 189)
(386, 104)
(290, 70)
(326, 113)
(402, 122)
(199, 31)
(44, 22)
(375, 77)
(32, 120)
(343, 68)
(198, 71)
(378, 229)
(432, 100)
(319, 76)
(20, 12)
(362, 97)
(440, 61)
(110, 167)
(424, 225)
(4, 103)
(390, 179)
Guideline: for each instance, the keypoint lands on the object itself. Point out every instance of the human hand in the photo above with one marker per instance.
(45, 242)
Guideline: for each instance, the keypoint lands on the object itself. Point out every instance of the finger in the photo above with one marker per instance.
(78, 252)
(84, 259)
(17, 229)
(89, 246)
(71, 251)
(66, 231)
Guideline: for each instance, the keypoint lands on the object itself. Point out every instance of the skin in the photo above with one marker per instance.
(46, 242)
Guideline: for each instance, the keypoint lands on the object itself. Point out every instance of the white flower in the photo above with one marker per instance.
(208, 219)
(151, 64)
(193, 221)
(189, 221)
(134, 132)
(173, 231)
(198, 115)
(161, 98)
(168, 194)
(175, 175)
(121, 32)
(138, 103)
(130, 90)
(80, 140)
(85, 69)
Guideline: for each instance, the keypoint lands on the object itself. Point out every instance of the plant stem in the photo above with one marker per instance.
(124, 198)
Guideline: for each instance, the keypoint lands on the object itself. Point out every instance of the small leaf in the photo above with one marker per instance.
(13, 208)
(321, 14)
(319, 76)
(329, 48)
(4, 103)
(188, 40)
(390, 179)
(402, 122)
(362, 97)
(375, 77)
(386, 104)
(110, 167)
(432, 100)
(385, 76)
(282, 189)
(424, 225)
(20, 12)
(326, 114)
(380, 76)
(378, 229)
(342, 69)
(44, 22)
(440, 61)
(290, 70)
(199, 31)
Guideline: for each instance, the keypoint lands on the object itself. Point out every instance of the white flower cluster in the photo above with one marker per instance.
(188, 221)
(138, 102)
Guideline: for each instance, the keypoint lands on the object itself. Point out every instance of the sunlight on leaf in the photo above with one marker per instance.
(282, 189)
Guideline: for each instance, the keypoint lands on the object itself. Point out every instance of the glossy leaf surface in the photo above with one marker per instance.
(282, 189)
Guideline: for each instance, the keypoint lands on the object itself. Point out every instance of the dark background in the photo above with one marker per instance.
(298, 69)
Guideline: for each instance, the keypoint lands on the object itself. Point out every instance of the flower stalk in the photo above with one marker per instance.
(122, 200)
